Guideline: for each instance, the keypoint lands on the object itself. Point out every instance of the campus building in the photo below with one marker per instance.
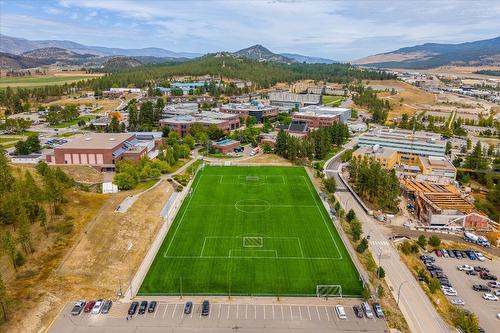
(291, 100)
(252, 109)
(103, 150)
(388, 158)
(410, 145)
(182, 121)
(321, 116)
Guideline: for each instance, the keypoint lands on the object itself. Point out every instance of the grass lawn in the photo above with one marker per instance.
(72, 122)
(332, 100)
(40, 81)
(251, 231)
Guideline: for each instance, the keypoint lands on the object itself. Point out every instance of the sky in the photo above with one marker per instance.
(339, 30)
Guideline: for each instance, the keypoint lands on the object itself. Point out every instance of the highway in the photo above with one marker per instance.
(414, 304)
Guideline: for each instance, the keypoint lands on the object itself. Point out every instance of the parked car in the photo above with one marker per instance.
(107, 306)
(143, 307)
(451, 254)
(465, 268)
(472, 273)
(427, 258)
(339, 309)
(445, 253)
(494, 284)
(78, 307)
(133, 308)
(479, 256)
(378, 310)
(497, 293)
(367, 310)
(358, 312)
(457, 301)
(205, 308)
(188, 307)
(439, 253)
(450, 292)
(481, 287)
(487, 276)
(490, 297)
(96, 309)
(471, 255)
(152, 306)
(481, 269)
(458, 254)
(89, 306)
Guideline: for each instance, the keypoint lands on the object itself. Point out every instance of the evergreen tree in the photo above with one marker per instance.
(9, 247)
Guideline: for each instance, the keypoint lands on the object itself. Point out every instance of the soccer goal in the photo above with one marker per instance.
(328, 290)
(253, 242)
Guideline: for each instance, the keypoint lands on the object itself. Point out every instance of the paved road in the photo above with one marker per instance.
(224, 317)
(416, 307)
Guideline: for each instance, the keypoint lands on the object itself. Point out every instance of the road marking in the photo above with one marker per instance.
(154, 316)
(255, 310)
(237, 311)
(228, 308)
(264, 312)
(291, 313)
(317, 311)
(209, 314)
(192, 311)
(273, 311)
(309, 311)
(175, 308)
(327, 315)
(282, 316)
(220, 307)
(300, 312)
(246, 311)
(165, 311)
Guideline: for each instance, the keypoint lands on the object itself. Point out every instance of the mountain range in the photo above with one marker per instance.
(431, 55)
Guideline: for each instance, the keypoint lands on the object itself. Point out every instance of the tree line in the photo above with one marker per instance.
(315, 146)
(374, 183)
(367, 97)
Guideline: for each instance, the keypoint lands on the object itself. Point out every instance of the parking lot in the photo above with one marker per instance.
(223, 317)
(462, 283)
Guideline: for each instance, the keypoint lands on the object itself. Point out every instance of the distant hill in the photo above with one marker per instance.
(431, 55)
(117, 63)
(12, 62)
(55, 53)
(260, 53)
(307, 59)
(18, 46)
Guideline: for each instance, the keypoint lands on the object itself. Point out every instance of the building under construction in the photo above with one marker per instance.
(443, 207)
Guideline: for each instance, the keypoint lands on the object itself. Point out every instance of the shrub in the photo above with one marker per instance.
(422, 241)
(19, 260)
(434, 241)
(356, 229)
(179, 188)
(406, 247)
(380, 272)
(466, 321)
(434, 285)
(350, 215)
(380, 291)
(365, 294)
(362, 246)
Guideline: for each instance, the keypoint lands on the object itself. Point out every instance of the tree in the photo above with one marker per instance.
(406, 247)
(124, 181)
(250, 121)
(380, 272)
(6, 178)
(434, 241)
(4, 300)
(448, 147)
(330, 184)
(24, 233)
(365, 293)
(350, 215)
(434, 285)
(356, 229)
(422, 241)
(188, 139)
(466, 321)
(9, 247)
(469, 144)
(362, 246)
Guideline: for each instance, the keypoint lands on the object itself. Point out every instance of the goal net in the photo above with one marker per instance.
(328, 290)
(253, 242)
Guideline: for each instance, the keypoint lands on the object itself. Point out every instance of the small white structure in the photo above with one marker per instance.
(109, 187)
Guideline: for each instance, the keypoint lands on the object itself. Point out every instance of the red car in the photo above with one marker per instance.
(439, 253)
(88, 307)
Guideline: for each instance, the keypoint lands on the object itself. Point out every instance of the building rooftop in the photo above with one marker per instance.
(315, 114)
(98, 141)
(400, 134)
(251, 106)
(324, 109)
(436, 162)
(375, 151)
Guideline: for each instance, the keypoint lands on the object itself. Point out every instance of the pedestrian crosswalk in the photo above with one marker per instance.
(380, 243)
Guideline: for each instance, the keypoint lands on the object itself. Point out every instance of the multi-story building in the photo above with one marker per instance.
(320, 116)
(436, 169)
(387, 158)
(291, 100)
(102, 150)
(410, 145)
(252, 109)
(181, 123)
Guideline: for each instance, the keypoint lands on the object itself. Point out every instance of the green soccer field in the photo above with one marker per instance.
(252, 231)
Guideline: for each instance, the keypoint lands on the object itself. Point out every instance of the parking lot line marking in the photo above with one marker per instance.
(220, 307)
(175, 308)
(291, 313)
(282, 316)
(246, 311)
(154, 316)
(165, 311)
(317, 311)
(264, 309)
(309, 311)
(300, 312)
(327, 315)
(237, 311)
(228, 308)
(273, 311)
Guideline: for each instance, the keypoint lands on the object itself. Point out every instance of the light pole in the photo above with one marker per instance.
(399, 290)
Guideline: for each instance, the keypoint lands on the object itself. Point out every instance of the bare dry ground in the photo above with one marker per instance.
(103, 104)
(267, 159)
(90, 262)
(457, 71)
(83, 173)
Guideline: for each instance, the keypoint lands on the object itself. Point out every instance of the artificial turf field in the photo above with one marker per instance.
(251, 231)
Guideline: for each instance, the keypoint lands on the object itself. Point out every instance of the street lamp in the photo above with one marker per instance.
(399, 290)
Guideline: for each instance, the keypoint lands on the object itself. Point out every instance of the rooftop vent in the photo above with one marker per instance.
(112, 139)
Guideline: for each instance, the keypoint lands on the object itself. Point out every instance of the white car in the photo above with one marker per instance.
(97, 306)
(457, 301)
(449, 292)
(480, 256)
(497, 292)
(490, 297)
(466, 268)
(340, 312)
(498, 315)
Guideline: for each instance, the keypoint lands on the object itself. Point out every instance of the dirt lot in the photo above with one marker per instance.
(82, 173)
(92, 262)
(267, 158)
